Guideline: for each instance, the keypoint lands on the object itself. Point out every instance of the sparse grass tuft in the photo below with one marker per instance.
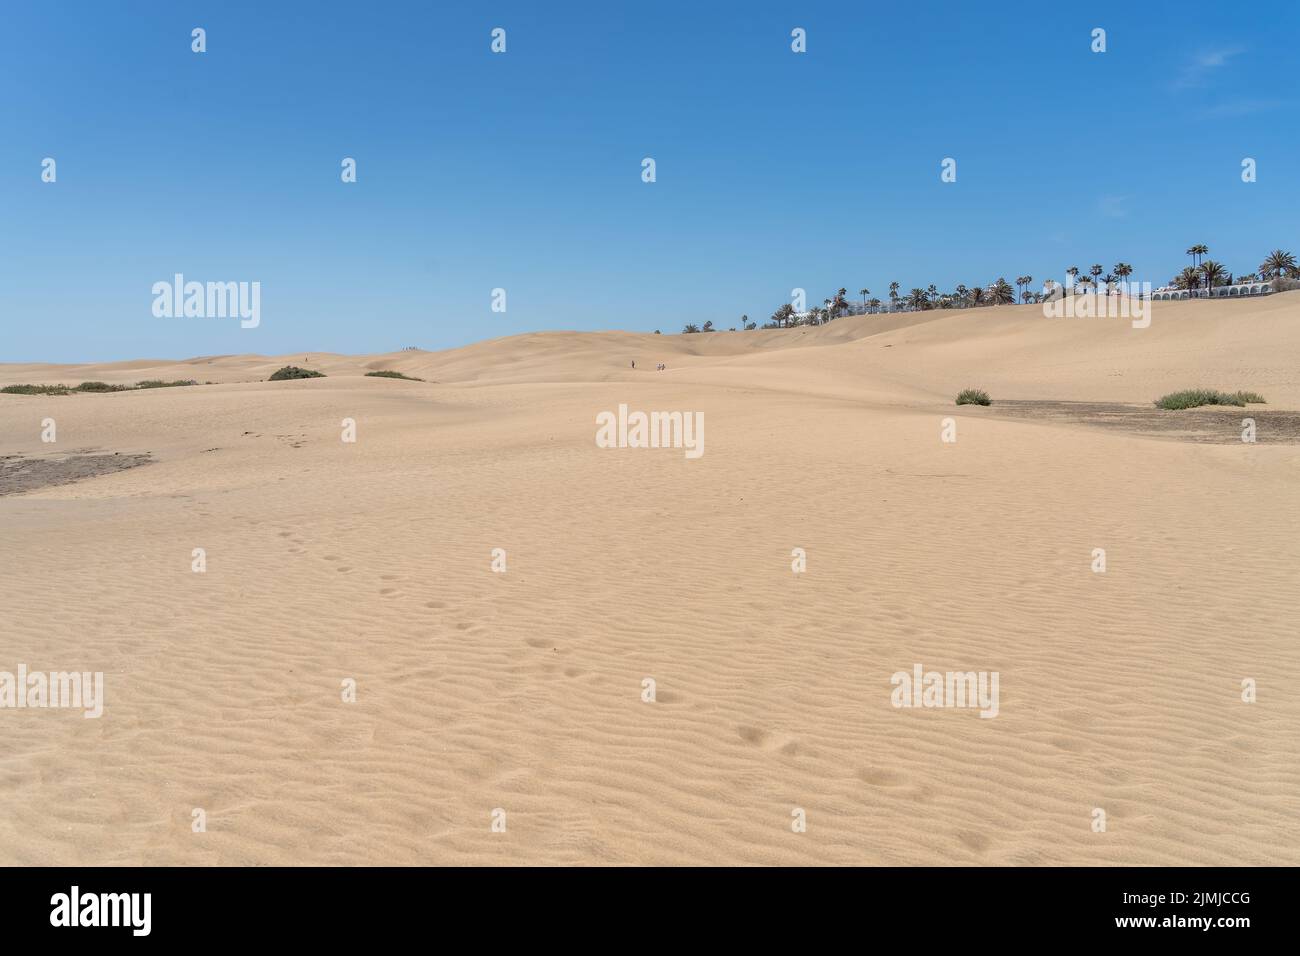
(389, 374)
(293, 371)
(92, 387)
(973, 396)
(1196, 397)
(159, 383)
(35, 390)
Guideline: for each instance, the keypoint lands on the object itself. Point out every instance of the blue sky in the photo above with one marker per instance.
(523, 170)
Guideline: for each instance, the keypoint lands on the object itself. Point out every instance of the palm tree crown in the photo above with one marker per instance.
(1214, 273)
(1189, 278)
(1277, 264)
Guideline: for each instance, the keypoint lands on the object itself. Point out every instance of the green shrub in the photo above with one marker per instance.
(92, 387)
(973, 396)
(1196, 397)
(293, 371)
(35, 390)
(159, 383)
(387, 374)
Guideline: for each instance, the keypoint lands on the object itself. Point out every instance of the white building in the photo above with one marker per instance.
(1263, 287)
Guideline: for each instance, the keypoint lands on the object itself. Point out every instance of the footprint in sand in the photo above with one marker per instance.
(782, 743)
(436, 605)
(384, 591)
(1067, 744)
(880, 777)
(975, 841)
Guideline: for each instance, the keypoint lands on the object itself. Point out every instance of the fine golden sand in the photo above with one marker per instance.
(371, 561)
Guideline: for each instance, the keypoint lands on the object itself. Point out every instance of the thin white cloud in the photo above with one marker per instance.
(1113, 207)
(1247, 107)
(1197, 72)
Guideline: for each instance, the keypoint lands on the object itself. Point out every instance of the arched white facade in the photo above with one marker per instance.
(1220, 292)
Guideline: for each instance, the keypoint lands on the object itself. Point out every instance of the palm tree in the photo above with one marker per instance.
(976, 295)
(1214, 273)
(1001, 292)
(893, 292)
(961, 295)
(1123, 270)
(1073, 273)
(917, 299)
(840, 304)
(1277, 264)
(934, 292)
(874, 304)
(1095, 271)
(864, 293)
(1189, 279)
(1198, 251)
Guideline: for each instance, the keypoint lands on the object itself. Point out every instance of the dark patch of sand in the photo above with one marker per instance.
(19, 474)
(1216, 424)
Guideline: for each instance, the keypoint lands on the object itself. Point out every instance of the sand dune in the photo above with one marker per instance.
(522, 691)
